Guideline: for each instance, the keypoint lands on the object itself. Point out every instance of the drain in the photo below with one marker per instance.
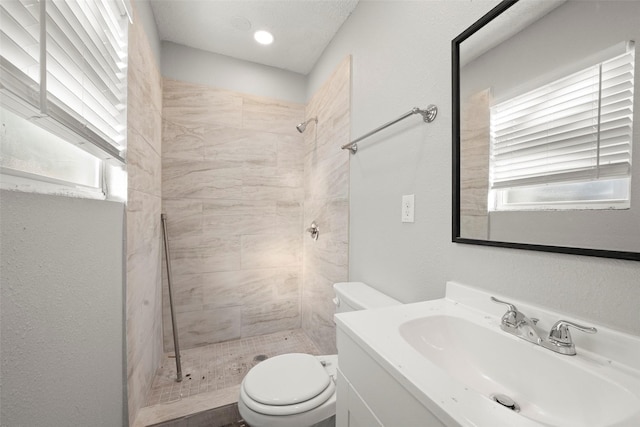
(506, 401)
(260, 358)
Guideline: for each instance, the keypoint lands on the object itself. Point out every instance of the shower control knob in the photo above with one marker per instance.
(314, 231)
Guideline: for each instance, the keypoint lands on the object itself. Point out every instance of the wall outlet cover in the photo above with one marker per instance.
(408, 202)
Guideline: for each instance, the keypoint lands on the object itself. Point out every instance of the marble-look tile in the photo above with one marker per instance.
(290, 152)
(143, 220)
(320, 329)
(474, 226)
(199, 104)
(289, 217)
(182, 407)
(198, 328)
(250, 286)
(326, 178)
(264, 251)
(270, 317)
(272, 116)
(187, 292)
(204, 180)
(233, 225)
(474, 155)
(144, 296)
(238, 217)
(205, 254)
(143, 165)
(241, 146)
(183, 142)
(183, 217)
(143, 111)
(239, 207)
(264, 183)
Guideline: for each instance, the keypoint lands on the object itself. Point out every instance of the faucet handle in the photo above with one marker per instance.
(512, 317)
(560, 335)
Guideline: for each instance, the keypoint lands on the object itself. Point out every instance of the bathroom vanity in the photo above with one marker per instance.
(453, 362)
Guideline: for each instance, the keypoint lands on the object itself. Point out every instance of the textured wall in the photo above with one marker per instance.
(61, 311)
(144, 297)
(392, 71)
(326, 201)
(232, 188)
(187, 64)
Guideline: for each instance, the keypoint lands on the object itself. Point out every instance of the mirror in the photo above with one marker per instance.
(545, 152)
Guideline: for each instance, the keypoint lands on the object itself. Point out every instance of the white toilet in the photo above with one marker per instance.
(298, 390)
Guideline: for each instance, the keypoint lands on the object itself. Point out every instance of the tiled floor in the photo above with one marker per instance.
(223, 365)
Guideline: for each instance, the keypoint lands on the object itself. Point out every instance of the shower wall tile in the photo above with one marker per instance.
(198, 328)
(201, 179)
(289, 216)
(182, 142)
(290, 153)
(257, 286)
(143, 271)
(185, 103)
(228, 218)
(232, 188)
(205, 254)
(186, 218)
(273, 116)
(325, 177)
(259, 319)
(143, 228)
(233, 225)
(188, 296)
(243, 146)
(271, 250)
(326, 189)
(143, 164)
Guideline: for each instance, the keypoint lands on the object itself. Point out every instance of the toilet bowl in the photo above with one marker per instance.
(290, 390)
(297, 389)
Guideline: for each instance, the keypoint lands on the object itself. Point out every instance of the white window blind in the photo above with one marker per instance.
(80, 66)
(578, 128)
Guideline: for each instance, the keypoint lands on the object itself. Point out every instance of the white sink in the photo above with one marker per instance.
(451, 356)
(548, 387)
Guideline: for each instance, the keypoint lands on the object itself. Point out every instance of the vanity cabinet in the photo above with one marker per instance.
(368, 396)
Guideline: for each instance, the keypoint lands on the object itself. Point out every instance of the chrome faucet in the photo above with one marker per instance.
(558, 339)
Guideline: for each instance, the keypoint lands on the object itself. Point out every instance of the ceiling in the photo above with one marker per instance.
(301, 28)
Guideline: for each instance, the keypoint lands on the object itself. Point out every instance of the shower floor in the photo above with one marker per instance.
(217, 369)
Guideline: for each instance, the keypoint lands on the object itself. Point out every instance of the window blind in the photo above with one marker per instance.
(578, 128)
(80, 65)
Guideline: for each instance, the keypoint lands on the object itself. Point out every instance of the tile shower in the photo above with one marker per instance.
(239, 186)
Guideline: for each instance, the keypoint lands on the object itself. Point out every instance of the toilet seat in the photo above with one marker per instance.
(287, 384)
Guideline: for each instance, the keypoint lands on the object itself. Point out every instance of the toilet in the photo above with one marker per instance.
(296, 389)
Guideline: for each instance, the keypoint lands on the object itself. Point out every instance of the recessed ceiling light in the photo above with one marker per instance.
(263, 37)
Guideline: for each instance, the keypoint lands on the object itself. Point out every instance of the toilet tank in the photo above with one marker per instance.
(353, 296)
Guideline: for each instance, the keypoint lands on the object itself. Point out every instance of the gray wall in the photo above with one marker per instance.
(144, 16)
(61, 311)
(393, 71)
(197, 66)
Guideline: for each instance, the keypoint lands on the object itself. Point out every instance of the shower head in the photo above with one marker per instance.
(302, 126)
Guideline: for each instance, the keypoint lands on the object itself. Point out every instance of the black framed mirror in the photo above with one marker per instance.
(546, 156)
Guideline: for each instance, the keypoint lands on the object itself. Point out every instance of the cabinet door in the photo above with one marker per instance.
(359, 413)
(351, 410)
